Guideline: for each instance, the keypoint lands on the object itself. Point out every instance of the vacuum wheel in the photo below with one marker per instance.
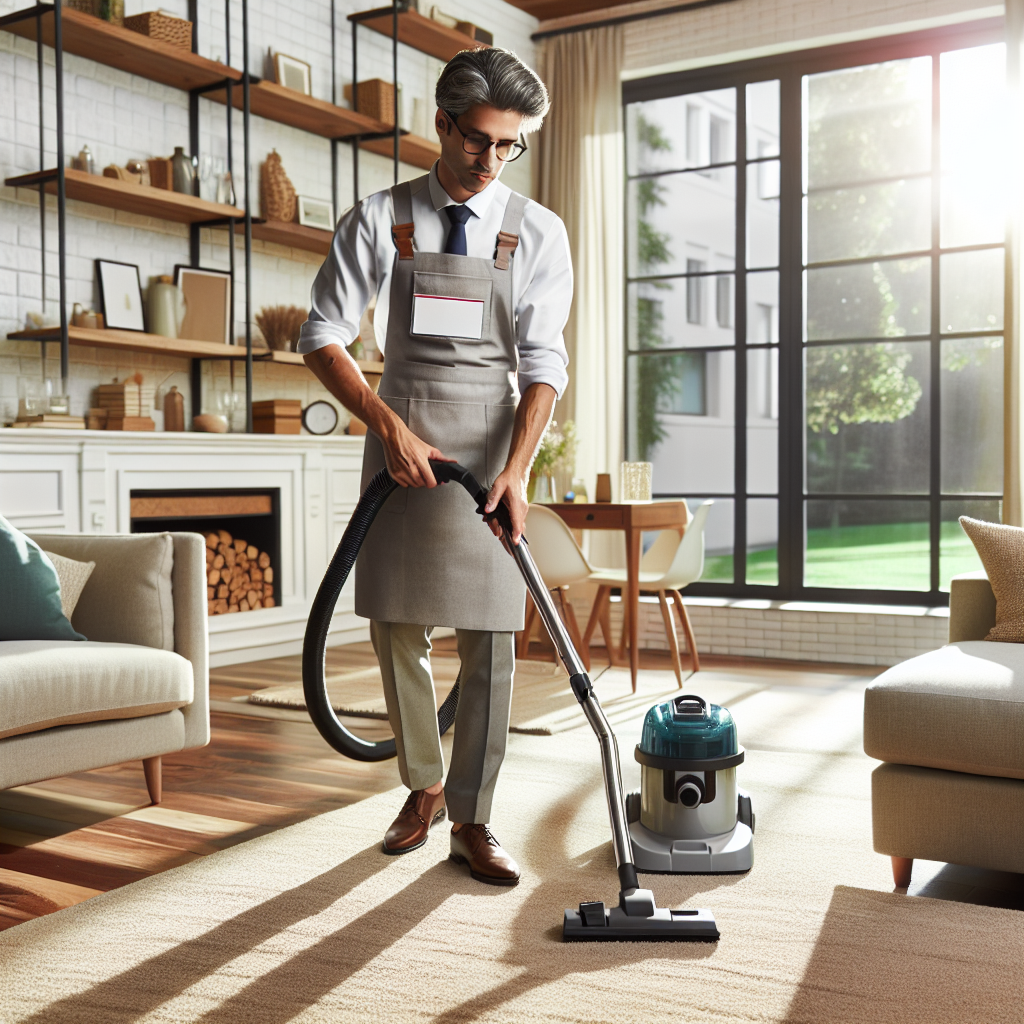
(744, 812)
(633, 806)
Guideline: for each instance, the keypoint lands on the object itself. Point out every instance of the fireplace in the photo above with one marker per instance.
(242, 529)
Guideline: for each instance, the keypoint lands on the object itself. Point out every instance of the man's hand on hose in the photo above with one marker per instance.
(407, 457)
(510, 488)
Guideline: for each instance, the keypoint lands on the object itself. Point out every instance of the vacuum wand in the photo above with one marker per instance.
(636, 917)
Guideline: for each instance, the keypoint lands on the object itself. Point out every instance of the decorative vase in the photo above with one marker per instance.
(182, 171)
(174, 410)
(277, 194)
(544, 493)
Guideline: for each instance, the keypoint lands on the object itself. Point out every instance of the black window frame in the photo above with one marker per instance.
(789, 69)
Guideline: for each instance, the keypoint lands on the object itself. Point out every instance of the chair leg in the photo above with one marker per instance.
(569, 618)
(595, 615)
(901, 869)
(687, 628)
(153, 769)
(524, 637)
(605, 617)
(670, 635)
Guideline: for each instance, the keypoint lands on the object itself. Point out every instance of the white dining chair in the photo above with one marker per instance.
(669, 565)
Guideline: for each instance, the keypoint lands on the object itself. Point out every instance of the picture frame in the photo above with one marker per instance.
(293, 73)
(208, 304)
(120, 295)
(316, 213)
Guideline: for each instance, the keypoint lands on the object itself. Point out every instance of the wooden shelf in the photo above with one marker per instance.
(134, 341)
(412, 149)
(278, 103)
(133, 52)
(369, 369)
(123, 195)
(423, 34)
(296, 235)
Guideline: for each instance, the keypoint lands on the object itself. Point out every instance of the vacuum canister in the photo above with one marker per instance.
(690, 815)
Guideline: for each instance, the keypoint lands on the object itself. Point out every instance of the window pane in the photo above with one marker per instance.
(679, 131)
(867, 418)
(679, 217)
(971, 290)
(868, 545)
(975, 145)
(763, 214)
(763, 420)
(763, 541)
(718, 539)
(956, 552)
(972, 415)
(763, 308)
(659, 313)
(873, 220)
(868, 122)
(681, 419)
(762, 119)
(884, 299)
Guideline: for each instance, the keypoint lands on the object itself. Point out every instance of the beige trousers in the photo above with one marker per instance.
(481, 722)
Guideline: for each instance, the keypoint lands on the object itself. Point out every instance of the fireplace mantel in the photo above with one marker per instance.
(80, 481)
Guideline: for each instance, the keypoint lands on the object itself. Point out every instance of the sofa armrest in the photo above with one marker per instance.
(972, 607)
(191, 637)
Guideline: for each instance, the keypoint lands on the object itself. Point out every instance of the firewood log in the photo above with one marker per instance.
(243, 562)
(214, 578)
(218, 562)
(232, 608)
(209, 608)
(252, 553)
(211, 540)
(268, 590)
(209, 593)
(224, 537)
(264, 560)
(240, 546)
(252, 597)
(268, 574)
(223, 590)
(229, 557)
(255, 574)
(243, 605)
(268, 602)
(210, 556)
(258, 604)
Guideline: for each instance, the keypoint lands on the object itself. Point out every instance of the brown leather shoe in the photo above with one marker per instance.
(409, 830)
(488, 862)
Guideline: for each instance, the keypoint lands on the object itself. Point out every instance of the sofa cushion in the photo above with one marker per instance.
(49, 683)
(960, 708)
(30, 606)
(73, 576)
(128, 599)
(1001, 550)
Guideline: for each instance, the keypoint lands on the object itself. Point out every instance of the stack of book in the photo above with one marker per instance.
(51, 421)
(277, 416)
(125, 404)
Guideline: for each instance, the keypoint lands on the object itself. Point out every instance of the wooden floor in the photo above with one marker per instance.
(65, 840)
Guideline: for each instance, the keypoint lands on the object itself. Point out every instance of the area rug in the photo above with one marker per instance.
(314, 924)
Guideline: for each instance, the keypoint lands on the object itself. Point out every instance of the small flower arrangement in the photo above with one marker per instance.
(556, 454)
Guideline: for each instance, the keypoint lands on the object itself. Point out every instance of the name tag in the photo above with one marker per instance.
(447, 318)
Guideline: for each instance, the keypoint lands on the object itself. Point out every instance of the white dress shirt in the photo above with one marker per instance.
(362, 255)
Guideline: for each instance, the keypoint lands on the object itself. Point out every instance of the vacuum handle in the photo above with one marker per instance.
(452, 472)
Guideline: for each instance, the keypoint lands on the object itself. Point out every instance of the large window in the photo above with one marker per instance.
(815, 308)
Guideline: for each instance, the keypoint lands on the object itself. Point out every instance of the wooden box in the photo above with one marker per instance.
(161, 174)
(376, 99)
(157, 25)
(277, 416)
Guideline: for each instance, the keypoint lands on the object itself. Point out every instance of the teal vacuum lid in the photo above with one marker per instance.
(688, 728)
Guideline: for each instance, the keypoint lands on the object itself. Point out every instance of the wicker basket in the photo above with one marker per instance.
(157, 25)
(277, 194)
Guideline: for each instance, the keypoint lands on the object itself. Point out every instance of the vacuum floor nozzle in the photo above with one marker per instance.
(637, 919)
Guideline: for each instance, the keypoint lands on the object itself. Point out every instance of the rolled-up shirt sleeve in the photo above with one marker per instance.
(543, 309)
(345, 283)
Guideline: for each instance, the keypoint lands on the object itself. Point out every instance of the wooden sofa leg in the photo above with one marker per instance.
(153, 767)
(901, 868)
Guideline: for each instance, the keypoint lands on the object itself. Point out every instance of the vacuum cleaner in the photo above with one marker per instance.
(637, 917)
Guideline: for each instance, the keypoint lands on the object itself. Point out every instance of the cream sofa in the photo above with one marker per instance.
(949, 727)
(136, 688)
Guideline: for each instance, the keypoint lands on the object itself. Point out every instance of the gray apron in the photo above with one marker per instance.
(429, 558)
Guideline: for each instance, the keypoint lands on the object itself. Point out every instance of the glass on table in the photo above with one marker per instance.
(635, 481)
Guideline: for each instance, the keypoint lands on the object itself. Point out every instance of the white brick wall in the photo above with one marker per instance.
(793, 630)
(121, 116)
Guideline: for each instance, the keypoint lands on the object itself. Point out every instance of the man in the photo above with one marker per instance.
(473, 286)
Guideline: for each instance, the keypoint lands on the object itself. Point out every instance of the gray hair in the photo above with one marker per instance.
(496, 77)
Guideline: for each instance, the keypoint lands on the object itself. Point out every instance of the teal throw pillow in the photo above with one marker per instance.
(29, 591)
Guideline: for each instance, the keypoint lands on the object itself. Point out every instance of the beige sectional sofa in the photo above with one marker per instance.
(136, 688)
(949, 727)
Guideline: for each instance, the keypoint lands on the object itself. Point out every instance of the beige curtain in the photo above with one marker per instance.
(581, 178)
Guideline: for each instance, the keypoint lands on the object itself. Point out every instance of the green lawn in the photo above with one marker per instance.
(883, 557)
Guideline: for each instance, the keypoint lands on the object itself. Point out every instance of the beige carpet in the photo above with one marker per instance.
(543, 703)
(313, 923)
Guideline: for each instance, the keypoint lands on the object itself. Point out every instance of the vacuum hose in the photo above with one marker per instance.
(314, 646)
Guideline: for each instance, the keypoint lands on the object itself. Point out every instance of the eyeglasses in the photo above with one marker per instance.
(506, 150)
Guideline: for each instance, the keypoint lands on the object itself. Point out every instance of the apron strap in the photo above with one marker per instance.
(508, 236)
(403, 229)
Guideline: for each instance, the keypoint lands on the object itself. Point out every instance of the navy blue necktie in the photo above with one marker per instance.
(458, 215)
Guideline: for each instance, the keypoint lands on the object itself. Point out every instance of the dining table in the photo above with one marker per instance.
(633, 518)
